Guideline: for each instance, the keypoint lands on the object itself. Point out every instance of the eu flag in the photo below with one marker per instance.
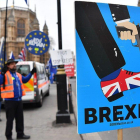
(2, 54)
(52, 70)
(12, 56)
(26, 1)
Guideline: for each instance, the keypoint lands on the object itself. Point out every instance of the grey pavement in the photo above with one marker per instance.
(90, 136)
(38, 121)
(128, 134)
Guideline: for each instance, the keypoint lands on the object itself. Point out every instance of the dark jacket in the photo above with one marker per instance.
(119, 12)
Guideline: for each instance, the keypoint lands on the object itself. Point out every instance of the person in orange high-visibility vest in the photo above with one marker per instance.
(12, 94)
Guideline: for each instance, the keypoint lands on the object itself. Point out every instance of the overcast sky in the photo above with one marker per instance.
(47, 10)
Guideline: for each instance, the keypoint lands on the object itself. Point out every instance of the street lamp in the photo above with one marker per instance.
(62, 116)
(5, 40)
(59, 25)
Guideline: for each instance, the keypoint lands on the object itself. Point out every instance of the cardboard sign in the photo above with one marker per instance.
(108, 66)
(37, 42)
(61, 57)
(69, 69)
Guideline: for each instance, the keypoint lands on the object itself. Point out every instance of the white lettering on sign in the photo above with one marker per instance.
(61, 57)
(22, 63)
(37, 42)
(69, 67)
(62, 61)
(68, 70)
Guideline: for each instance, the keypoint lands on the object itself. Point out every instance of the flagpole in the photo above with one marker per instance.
(5, 31)
(59, 24)
(5, 38)
(64, 116)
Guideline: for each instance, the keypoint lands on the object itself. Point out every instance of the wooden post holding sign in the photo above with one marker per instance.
(120, 134)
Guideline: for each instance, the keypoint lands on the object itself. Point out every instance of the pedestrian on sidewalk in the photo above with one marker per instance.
(12, 93)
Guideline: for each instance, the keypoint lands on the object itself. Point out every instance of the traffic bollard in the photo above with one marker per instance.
(62, 116)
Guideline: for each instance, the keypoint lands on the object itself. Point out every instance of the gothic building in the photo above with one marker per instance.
(20, 21)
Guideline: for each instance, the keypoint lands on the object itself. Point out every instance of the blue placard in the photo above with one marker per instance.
(108, 66)
(37, 42)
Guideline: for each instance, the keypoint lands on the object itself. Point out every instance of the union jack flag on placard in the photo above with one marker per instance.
(22, 54)
(126, 80)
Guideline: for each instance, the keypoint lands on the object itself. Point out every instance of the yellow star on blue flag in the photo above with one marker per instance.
(37, 42)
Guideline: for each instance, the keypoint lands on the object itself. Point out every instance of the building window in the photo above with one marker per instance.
(21, 28)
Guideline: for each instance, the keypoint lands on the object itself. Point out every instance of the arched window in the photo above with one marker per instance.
(21, 28)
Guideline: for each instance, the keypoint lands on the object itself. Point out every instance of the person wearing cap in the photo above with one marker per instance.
(12, 94)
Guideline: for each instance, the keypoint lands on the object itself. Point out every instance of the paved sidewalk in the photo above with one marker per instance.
(89, 136)
(38, 121)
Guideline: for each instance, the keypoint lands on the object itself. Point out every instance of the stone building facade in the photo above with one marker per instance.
(20, 21)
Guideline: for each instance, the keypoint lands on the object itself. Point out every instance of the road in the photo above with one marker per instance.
(128, 134)
(38, 123)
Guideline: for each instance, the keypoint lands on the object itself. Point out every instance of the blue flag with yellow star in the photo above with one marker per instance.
(26, 2)
(2, 54)
(37, 42)
(52, 69)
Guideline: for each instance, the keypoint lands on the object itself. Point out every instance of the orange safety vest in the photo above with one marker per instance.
(8, 92)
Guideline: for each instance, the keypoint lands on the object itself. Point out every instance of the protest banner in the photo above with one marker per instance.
(69, 69)
(108, 66)
(37, 42)
(61, 57)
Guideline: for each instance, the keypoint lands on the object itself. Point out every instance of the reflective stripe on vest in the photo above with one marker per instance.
(22, 87)
(8, 79)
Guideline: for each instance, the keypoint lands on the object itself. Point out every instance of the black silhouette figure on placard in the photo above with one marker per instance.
(101, 48)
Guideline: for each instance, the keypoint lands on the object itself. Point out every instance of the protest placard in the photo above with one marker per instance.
(61, 57)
